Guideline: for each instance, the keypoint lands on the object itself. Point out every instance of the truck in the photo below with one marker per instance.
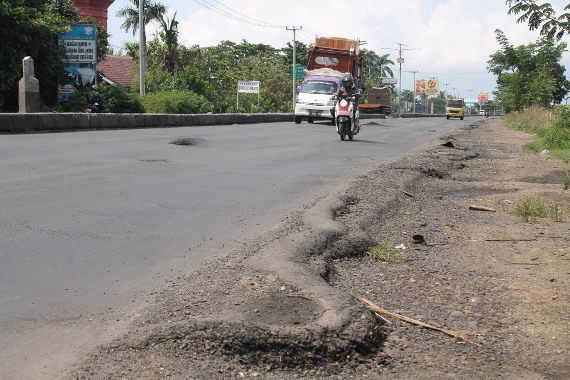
(455, 107)
(329, 59)
(377, 100)
(340, 54)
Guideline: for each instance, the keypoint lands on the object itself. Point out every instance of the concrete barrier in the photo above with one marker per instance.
(52, 122)
(57, 122)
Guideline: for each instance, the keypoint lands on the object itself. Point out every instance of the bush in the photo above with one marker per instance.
(532, 120)
(116, 99)
(184, 102)
(558, 135)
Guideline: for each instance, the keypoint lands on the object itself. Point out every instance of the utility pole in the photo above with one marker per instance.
(142, 47)
(469, 100)
(446, 84)
(400, 61)
(415, 94)
(294, 69)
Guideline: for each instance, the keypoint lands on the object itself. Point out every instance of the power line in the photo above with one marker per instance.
(241, 18)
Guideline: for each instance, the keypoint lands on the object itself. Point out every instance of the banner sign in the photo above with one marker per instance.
(251, 87)
(483, 97)
(428, 87)
(79, 61)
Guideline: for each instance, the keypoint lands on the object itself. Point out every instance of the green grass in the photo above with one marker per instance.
(532, 209)
(551, 127)
(386, 252)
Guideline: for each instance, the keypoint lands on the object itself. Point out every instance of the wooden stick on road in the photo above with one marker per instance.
(377, 309)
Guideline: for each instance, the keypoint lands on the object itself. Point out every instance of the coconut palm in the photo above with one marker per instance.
(153, 11)
(376, 67)
(169, 36)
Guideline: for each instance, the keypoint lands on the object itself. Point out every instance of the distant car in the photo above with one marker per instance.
(482, 112)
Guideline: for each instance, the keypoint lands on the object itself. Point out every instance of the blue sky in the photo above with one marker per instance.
(450, 40)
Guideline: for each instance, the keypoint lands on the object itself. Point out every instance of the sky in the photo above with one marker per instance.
(449, 40)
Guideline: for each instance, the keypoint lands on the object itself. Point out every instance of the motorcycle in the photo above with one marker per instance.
(94, 108)
(346, 125)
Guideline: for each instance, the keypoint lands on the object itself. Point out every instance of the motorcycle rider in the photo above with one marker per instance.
(93, 97)
(349, 89)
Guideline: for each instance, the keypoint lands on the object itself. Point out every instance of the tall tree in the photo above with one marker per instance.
(541, 16)
(376, 67)
(152, 11)
(169, 36)
(529, 75)
(301, 53)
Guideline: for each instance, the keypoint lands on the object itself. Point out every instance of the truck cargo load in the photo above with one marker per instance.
(340, 54)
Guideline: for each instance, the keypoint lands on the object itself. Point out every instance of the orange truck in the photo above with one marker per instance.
(344, 55)
(340, 54)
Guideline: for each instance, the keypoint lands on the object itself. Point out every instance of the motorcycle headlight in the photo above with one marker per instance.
(331, 103)
(343, 103)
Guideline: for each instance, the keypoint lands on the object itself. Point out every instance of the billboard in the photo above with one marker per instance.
(483, 97)
(79, 61)
(427, 86)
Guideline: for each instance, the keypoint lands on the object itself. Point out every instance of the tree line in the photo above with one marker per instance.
(203, 79)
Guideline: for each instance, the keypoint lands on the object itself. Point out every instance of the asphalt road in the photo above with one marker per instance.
(91, 222)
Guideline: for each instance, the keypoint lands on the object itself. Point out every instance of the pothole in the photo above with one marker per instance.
(154, 160)
(187, 141)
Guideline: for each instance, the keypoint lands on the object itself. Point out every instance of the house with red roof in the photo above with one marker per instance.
(118, 70)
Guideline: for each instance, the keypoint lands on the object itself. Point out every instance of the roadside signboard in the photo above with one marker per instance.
(248, 87)
(299, 71)
(427, 86)
(79, 62)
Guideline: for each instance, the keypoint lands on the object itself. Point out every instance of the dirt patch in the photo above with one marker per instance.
(283, 307)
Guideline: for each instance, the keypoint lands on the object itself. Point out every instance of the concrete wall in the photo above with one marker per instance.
(57, 122)
(61, 122)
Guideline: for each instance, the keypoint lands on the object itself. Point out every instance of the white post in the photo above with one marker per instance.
(142, 47)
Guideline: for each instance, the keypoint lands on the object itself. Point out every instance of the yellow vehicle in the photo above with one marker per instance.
(455, 108)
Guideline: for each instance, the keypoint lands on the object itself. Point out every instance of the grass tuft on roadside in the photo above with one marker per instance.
(532, 209)
(386, 252)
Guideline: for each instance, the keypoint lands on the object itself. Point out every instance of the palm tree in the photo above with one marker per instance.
(377, 67)
(169, 36)
(153, 11)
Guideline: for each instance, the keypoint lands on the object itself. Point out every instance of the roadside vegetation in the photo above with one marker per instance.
(386, 252)
(551, 128)
(532, 209)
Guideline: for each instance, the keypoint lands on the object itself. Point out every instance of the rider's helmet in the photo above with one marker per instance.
(347, 81)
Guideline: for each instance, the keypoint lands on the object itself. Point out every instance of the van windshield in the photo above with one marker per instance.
(455, 103)
(319, 87)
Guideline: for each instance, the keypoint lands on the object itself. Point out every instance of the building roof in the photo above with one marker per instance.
(118, 70)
